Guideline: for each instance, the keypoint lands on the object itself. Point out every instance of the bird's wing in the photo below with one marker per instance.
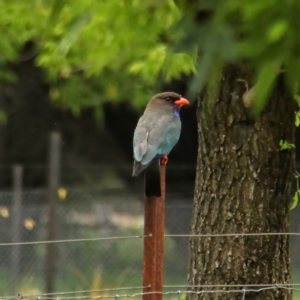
(149, 136)
(140, 142)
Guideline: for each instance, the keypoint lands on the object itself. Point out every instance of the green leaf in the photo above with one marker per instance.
(3, 117)
(73, 34)
(297, 98)
(182, 297)
(276, 31)
(295, 200)
(179, 64)
(297, 118)
(284, 145)
(264, 83)
(200, 78)
(136, 67)
(56, 8)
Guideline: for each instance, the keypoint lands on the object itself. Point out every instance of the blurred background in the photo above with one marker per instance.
(86, 71)
(52, 80)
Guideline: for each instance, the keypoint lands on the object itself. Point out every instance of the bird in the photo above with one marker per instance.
(157, 132)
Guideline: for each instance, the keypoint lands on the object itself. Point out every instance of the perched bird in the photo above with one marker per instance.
(156, 134)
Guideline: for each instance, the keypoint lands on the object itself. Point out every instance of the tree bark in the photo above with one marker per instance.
(243, 185)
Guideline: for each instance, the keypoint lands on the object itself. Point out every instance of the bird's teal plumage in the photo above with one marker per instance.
(157, 131)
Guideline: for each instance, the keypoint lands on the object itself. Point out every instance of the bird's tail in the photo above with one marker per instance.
(138, 168)
(152, 180)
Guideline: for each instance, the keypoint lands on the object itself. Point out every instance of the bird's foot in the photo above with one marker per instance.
(164, 160)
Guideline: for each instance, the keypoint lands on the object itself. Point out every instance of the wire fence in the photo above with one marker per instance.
(72, 295)
(99, 247)
(243, 289)
(99, 241)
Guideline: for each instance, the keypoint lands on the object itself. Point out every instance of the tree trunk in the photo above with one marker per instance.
(242, 186)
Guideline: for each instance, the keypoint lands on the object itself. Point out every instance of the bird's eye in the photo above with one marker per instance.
(168, 99)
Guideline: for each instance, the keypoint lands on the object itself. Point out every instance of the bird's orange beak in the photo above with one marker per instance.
(181, 101)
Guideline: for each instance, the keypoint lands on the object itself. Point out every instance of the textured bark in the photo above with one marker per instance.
(242, 186)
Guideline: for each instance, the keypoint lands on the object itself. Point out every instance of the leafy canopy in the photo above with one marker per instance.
(94, 51)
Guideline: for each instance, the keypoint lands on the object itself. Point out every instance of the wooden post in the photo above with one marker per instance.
(160, 234)
(54, 178)
(153, 271)
(16, 227)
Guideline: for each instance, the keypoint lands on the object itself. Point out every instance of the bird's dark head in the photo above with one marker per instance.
(169, 99)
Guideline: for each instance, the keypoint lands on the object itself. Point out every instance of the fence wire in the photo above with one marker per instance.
(99, 244)
(99, 240)
(243, 292)
(113, 238)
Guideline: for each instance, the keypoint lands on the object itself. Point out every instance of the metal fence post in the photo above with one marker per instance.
(16, 227)
(54, 178)
(154, 225)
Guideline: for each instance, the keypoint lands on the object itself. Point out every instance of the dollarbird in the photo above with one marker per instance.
(155, 135)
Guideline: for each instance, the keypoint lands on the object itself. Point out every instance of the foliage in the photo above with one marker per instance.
(94, 51)
(297, 192)
(263, 34)
(284, 145)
